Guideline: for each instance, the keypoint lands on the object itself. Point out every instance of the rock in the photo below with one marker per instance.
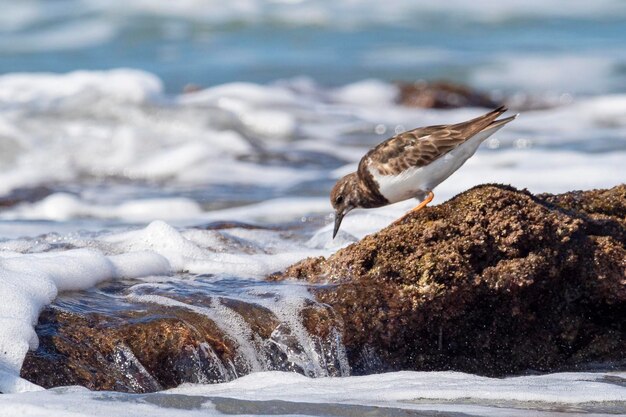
(191, 88)
(495, 281)
(442, 95)
(144, 347)
(24, 195)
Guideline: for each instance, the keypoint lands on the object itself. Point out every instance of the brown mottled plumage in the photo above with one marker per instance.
(421, 146)
(405, 153)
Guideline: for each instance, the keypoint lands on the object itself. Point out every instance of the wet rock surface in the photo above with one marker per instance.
(132, 345)
(24, 195)
(495, 281)
(442, 95)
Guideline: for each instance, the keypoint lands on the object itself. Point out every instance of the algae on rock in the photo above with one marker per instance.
(495, 281)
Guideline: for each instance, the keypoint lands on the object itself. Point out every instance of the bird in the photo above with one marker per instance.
(411, 164)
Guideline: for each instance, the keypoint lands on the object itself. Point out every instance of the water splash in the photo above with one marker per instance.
(156, 335)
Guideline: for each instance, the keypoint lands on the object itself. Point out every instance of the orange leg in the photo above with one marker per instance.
(423, 203)
(417, 208)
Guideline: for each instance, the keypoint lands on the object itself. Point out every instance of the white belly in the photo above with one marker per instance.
(416, 182)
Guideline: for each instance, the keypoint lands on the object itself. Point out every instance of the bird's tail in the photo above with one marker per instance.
(480, 123)
(500, 122)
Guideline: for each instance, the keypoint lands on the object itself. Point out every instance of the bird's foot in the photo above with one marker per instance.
(417, 208)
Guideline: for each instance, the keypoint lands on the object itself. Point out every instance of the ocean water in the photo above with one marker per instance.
(128, 127)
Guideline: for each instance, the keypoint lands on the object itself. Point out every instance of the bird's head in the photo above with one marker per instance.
(344, 197)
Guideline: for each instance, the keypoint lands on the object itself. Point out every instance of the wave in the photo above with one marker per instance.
(20, 15)
(119, 127)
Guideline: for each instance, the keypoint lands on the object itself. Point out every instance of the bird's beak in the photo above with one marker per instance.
(338, 218)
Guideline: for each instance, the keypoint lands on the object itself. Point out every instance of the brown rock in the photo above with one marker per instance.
(442, 95)
(24, 195)
(495, 281)
(144, 347)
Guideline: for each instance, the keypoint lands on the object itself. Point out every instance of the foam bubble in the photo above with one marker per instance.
(161, 238)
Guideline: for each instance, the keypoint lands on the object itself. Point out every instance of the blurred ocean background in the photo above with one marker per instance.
(516, 46)
(126, 125)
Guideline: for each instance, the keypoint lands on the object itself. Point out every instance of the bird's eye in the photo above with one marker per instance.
(339, 200)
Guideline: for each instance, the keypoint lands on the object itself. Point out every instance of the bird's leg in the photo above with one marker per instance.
(423, 204)
(420, 206)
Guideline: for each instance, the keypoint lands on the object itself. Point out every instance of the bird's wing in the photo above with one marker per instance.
(421, 146)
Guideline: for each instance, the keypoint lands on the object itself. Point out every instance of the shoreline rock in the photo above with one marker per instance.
(144, 347)
(495, 281)
(442, 95)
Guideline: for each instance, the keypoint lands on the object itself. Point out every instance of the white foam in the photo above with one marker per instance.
(539, 172)
(426, 392)
(224, 171)
(63, 206)
(139, 264)
(564, 388)
(42, 90)
(550, 73)
(233, 95)
(118, 123)
(161, 238)
(79, 402)
(173, 160)
(257, 106)
(367, 92)
(211, 252)
(279, 209)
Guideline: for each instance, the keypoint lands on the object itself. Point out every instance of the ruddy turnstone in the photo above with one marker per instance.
(411, 164)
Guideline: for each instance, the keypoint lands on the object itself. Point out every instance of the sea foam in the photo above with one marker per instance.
(394, 393)
(121, 126)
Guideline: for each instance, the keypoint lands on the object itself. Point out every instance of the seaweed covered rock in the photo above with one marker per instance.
(495, 281)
